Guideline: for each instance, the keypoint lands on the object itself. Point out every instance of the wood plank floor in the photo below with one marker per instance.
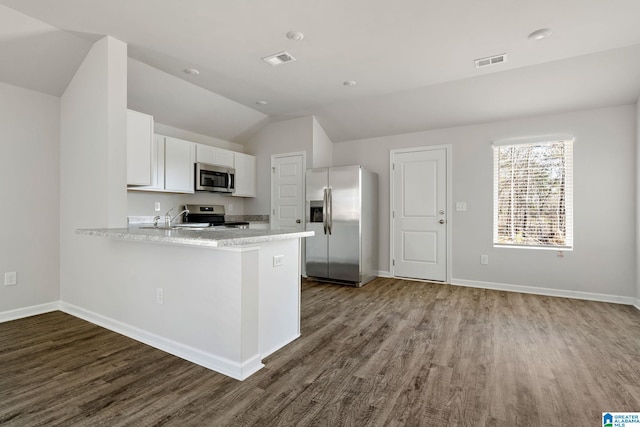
(393, 353)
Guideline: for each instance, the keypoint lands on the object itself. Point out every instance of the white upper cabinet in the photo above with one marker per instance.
(170, 162)
(172, 168)
(214, 156)
(245, 166)
(139, 148)
(179, 160)
(157, 166)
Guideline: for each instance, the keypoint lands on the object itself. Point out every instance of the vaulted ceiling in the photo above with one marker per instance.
(412, 60)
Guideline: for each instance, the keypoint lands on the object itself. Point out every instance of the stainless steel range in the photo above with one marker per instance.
(210, 216)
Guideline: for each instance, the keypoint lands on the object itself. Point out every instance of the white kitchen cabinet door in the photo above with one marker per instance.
(139, 148)
(224, 157)
(179, 165)
(214, 156)
(245, 166)
(157, 167)
(157, 164)
(205, 154)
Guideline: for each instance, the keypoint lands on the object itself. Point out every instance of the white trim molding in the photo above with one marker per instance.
(34, 310)
(199, 357)
(615, 299)
(636, 303)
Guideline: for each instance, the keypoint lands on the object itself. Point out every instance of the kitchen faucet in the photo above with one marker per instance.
(167, 217)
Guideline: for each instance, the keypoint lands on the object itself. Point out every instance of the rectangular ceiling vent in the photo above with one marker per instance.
(492, 60)
(278, 58)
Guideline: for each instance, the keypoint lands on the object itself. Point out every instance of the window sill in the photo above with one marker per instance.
(542, 248)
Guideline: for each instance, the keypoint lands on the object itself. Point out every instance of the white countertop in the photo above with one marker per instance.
(206, 238)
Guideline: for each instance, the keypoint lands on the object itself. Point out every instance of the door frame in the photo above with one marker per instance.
(448, 152)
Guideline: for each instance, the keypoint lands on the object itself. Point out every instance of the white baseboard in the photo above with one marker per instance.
(616, 299)
(34, 310)
(384, 274)
(216, 363)
(636, 303)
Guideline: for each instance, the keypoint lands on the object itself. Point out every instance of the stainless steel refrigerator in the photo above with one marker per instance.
(342, 209)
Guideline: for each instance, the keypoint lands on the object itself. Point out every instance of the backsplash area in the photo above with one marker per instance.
(142, 203)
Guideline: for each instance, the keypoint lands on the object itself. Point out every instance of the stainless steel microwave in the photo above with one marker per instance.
(218, 179)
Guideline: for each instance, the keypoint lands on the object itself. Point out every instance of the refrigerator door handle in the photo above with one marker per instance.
(330, 203)
(324, 211)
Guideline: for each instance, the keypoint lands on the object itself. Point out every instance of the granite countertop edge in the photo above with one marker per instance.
(203, 238)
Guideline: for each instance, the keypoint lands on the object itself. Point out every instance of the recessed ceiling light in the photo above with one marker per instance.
(295, 35)
(261, 102)
(350, 83)
(192, 71)
(540, 34)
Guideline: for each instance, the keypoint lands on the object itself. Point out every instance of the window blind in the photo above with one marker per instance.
(533, 194)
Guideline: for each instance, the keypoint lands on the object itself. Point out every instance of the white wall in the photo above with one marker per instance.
(179, 103)
(29, 190)
(276, 138)
(142, 203)
(638, 204)
(603, 260)
(322, 147)
(167, 130)
(92, 159)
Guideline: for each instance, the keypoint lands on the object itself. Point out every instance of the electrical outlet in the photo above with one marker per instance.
(484, 259)
(160, 296)
(461, 206)
(157, 206)
(10, 278)
(278, 260)
(230, 207)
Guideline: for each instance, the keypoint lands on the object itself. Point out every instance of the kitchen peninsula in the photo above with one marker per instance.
(223, 299)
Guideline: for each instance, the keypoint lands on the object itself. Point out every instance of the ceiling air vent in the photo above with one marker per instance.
(492, 60)
(278, 58)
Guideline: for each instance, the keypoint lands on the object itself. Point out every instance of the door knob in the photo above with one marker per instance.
(442, 221)
(297, 221)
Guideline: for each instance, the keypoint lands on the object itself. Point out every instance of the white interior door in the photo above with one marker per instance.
(419, 214)
(287, 194)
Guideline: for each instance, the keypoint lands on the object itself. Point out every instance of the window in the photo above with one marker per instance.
(533, 194)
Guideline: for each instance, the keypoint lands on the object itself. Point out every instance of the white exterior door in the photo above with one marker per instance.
(287, 192)
(419, 214)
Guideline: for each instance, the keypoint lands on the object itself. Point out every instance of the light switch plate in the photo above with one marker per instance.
(10, 278)
(278, 260)
(461, 206)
